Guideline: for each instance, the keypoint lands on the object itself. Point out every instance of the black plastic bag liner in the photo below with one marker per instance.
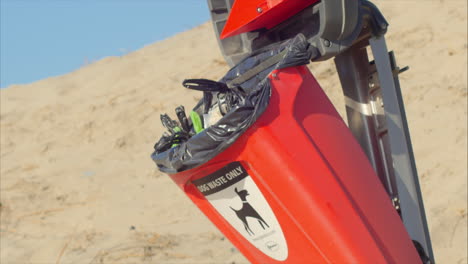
(251, 75)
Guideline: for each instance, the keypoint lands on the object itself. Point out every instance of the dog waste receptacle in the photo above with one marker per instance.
(282, 176)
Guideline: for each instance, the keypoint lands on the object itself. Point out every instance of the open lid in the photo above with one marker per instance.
(249, 15)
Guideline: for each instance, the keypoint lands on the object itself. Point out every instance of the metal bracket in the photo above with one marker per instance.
(396, 204)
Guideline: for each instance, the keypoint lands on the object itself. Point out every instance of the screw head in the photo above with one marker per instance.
(259, 10)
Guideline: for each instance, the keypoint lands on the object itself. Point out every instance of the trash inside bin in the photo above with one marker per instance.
(252, 96)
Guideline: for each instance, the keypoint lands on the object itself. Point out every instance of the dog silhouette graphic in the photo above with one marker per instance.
(247, 211)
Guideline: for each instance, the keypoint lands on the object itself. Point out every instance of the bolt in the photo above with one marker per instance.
(259, 10)
(327, 42)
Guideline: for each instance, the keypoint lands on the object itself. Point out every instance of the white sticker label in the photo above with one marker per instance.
(234, 194)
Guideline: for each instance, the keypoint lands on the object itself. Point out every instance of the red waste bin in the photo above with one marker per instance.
(297, 188)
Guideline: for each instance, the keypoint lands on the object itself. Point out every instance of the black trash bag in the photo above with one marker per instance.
(250, 75)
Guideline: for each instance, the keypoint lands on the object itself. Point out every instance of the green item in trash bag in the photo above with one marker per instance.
(196, 121)
(176, 129)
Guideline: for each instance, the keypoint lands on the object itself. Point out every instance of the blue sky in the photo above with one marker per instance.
(43, 38)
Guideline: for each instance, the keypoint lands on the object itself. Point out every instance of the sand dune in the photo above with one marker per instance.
(78, 186)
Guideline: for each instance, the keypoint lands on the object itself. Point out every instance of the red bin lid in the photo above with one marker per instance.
(249, 15)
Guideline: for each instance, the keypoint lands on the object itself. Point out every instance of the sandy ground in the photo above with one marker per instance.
(78, 186)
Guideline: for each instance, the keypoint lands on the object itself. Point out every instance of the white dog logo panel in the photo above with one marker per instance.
(234, 194)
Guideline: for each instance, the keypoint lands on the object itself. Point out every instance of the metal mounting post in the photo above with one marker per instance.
(404, 166)
(377, 119)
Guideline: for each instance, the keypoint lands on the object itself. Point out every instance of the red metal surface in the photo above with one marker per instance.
(248, 15)
(315, 177)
